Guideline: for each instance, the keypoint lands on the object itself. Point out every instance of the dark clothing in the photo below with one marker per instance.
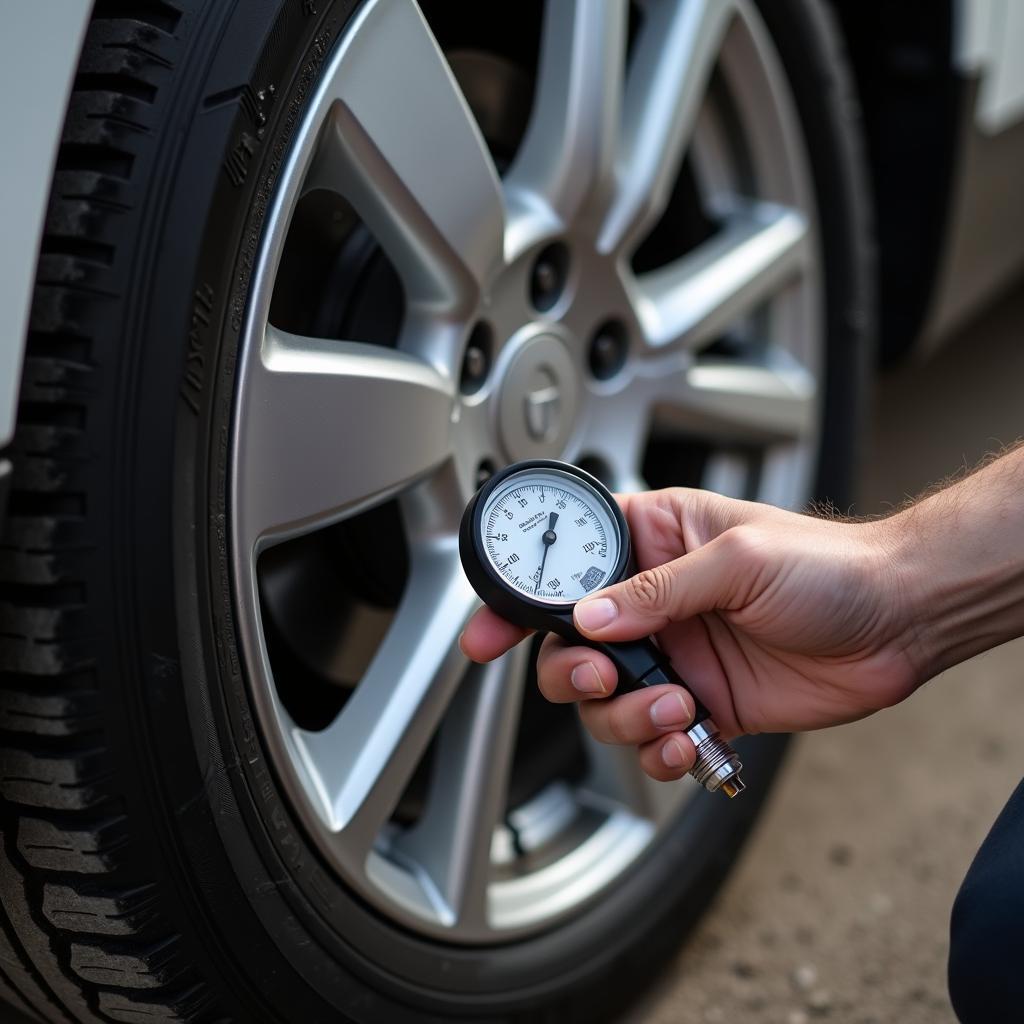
(986, 956)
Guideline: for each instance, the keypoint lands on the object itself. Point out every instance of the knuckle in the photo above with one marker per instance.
(559, 693)
(547, 691)
(651, 764)
(618, 726)
(548, 682)
(549, 648)
(743, 543)
(650, 590)
(591, 713)
(734, 540)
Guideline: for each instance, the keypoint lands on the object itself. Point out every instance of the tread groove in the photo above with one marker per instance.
(141, 51)
(113, 81)
(63, 347)
(81, 248)
(164, 16)
(93, 156)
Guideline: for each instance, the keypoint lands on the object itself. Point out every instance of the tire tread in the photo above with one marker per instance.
(82, 935)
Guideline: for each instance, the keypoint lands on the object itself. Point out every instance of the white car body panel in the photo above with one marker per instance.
(990, 47)
(983, 250)
(39, 47)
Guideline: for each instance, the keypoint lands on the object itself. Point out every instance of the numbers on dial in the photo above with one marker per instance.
(550, 536)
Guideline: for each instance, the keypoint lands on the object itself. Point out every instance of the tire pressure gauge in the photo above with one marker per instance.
(540, 535)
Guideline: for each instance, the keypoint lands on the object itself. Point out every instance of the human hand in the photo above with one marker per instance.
(777, 621)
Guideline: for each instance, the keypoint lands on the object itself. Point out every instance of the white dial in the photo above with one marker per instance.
(550, 536)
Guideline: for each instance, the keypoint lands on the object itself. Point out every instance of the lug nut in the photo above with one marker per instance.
(484, 472)
(605, 351)
(545, 277)
(476, 362)
(596, 466)
(547, 282)
(608, 350)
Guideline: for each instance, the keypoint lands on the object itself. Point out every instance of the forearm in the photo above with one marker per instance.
(960, 554)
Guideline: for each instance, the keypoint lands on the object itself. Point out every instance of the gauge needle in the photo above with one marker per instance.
(548, 539)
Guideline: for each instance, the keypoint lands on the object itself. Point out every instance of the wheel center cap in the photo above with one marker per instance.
(538, 399)
(543, 405)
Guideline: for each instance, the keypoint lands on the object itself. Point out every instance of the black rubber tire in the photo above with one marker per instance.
(150, 867)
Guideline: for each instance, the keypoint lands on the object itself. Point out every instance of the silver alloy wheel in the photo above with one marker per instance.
(325, 429)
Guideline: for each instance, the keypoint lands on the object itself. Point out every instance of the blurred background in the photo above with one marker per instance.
(839, 906)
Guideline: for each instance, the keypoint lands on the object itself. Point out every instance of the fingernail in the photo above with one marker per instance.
(672, 754)
(670, 709)
(597, 613)
(586, 679)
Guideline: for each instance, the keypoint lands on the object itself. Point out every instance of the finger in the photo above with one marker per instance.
(565, 673)
(669, 757)
(639, 717)
(668, 523)
(645, 603)
(487, 635)
(656, 526)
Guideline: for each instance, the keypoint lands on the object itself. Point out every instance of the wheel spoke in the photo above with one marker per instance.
(308, 410)
(451, 843)
(772, 399)
(690, 302)
(363, 761)
(567, 155)
(731, 473)
(767, 398)
(615, 778)
(617, 429)
(671, 65)
(400, 142)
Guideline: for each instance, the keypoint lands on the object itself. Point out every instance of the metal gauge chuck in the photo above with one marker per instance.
(540, 535)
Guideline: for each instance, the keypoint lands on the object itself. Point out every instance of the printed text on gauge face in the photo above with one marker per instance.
(549, 536)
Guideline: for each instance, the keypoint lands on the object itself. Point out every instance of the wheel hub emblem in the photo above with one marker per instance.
(538, 397)
(543, 405)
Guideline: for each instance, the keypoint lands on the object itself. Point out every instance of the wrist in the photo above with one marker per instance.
(958, 556)
(917, 597)
(901, 588)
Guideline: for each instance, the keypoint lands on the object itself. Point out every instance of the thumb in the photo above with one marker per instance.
(645, 603)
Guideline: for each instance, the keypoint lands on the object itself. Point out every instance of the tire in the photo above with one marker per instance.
(154, 866)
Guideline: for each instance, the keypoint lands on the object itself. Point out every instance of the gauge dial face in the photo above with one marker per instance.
(550, 536)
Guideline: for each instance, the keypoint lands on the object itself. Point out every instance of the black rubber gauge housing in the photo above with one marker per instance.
(639, 663)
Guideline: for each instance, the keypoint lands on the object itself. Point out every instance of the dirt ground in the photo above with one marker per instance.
(839, 907)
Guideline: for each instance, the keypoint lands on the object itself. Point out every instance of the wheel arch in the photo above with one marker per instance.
(912, 95)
